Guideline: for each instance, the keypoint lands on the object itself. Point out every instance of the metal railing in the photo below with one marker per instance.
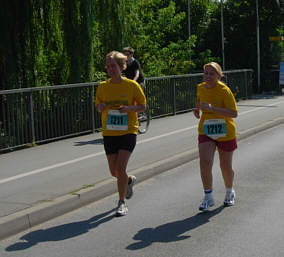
(35, 115)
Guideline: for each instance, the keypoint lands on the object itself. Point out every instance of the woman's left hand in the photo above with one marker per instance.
(206, 106)
(124, 108)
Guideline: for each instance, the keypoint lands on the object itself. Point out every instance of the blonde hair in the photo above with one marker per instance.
(119, 57)
(216, 67)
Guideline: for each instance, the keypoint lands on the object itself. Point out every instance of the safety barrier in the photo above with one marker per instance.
(35, 115)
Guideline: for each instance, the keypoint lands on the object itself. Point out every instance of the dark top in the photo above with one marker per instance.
(130, 71)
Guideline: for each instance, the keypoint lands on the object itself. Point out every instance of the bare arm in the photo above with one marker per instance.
(196, 110)
(132, 108)
(136, 75)
(223, 111)
(101, 107)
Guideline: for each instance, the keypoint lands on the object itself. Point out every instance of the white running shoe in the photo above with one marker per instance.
(129, 192)
(230, 198)
(121, 209)
(206, 204)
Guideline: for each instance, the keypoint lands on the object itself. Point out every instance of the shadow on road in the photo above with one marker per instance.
(99, 141)
(172, 231)
(61, 232)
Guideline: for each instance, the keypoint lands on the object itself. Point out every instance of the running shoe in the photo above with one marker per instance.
(121, 209)
(230, 198)
(130, 185)
(206, 204)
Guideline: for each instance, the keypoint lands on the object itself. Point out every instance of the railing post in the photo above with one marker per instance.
(246, 83)
(93, 107)
(32, 122)
(174, 98)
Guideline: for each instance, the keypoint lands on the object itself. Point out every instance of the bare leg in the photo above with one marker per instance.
(118, 164)
(226, 167)
(206, 155)
(112, 159)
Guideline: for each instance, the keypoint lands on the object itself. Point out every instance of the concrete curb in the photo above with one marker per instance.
(25, 219)
(257, 129)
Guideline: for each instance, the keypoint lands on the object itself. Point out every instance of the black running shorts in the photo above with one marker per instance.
(113, 144)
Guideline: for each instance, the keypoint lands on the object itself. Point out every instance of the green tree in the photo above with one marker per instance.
(240, 33)
(63, 41)
(158, 32)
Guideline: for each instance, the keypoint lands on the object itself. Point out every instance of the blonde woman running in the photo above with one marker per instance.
(119, 100)
(217, 130)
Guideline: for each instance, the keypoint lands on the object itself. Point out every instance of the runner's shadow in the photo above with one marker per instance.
(172, 231)
(99, 141)
(61, 232)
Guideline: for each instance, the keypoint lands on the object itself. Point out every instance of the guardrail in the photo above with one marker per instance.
(36, 115)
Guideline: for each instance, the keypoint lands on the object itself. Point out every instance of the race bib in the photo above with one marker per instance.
(215, 128)
(117, 120)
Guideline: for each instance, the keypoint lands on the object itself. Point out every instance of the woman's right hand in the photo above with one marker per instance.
(196, 113)
(101, 107)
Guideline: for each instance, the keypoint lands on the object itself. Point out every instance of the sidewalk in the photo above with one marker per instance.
(248, 126)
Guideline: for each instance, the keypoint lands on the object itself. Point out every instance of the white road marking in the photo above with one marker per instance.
(49, 167)
(260, 108)
(37, 171)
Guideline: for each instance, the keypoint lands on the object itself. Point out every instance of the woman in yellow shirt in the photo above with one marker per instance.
(216, 129)
(119, 99)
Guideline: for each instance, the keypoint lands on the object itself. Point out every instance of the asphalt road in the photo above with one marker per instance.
(52, 175)
(164, 220)
(45, 172)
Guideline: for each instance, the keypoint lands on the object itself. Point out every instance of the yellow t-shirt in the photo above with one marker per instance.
(128, 92)
(220, 96)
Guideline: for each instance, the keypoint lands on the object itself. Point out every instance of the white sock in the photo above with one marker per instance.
(208, 194)
(229, 190)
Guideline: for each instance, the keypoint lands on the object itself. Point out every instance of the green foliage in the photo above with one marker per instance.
(155, 34)
(240, 32)
(60, 41)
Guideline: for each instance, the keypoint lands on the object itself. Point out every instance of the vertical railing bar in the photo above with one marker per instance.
(45, 131)
(72, 115)
(78, 105)
(32, 118)
(45, 114)
(76, 109)
(49, 114)
(43, 101)
(61, 118)
(86, 109)
(57, 120)
(4, 110)
(23, 117)
(12, 118)
(38, 116)
(18, 119)
(174, 97)
(53, 116)
(65, 119)
(27, 130)
(81, 93)
(92, 106)
(68, 113)
(246, 85)
(9, 133)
